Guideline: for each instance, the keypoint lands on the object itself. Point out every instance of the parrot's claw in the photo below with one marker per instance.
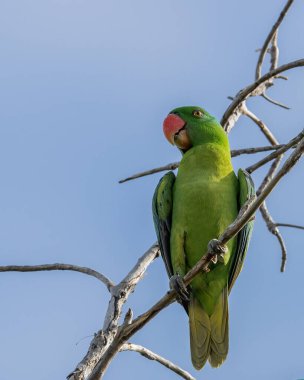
(218, 250)
(214, 259)
(216, 247)
(177, 284)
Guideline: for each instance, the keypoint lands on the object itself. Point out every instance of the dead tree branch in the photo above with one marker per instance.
(50, 267)
(275, 154)
(274, 166)
(172, 166)
(264, 129)
(175, 165)
(275, 102)
(273, 229)
(272, 34)
(153, 356)
(289, 225)
(233, 112)
(274, 53)
(103, 339)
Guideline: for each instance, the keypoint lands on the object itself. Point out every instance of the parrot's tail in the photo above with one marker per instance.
(209, 335)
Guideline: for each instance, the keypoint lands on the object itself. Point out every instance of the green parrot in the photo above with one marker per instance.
(190, 210)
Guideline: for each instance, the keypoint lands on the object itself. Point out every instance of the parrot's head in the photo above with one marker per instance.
(190, 126)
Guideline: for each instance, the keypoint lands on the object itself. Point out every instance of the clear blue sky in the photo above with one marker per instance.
(85, 86)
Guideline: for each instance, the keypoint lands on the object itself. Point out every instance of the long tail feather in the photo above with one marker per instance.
(219, 331)
(209, 338)
(200, 330)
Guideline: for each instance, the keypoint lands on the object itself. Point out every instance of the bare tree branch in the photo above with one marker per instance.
(274, 51)
(270, 173)
(270, 38)
(238, 152)
(274, 59)
(232, 113)
(289, 225)
(175, 165)
(275, 102)
(275, 154)
(274, 166)
(103, 340)
(48, 267)
(172, 166)
(153, 356)
(264, 129)
(266, 214)
(272, 228)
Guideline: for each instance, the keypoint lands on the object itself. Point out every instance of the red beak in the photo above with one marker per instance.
(172, 125)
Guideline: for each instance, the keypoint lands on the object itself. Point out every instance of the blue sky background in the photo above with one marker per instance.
(85, 86)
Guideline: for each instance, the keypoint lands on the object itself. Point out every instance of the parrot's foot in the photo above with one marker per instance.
(218, 250)
(176, 283)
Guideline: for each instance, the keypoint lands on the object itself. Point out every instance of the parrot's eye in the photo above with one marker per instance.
(197, 113)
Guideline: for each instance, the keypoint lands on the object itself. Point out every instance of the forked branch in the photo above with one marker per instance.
(103, 340)
(232, 113)
(269, 38)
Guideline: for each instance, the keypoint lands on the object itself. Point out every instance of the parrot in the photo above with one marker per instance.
(189, 210)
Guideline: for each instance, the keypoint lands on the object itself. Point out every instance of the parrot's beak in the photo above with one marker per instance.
(174, 130)
(172, 126)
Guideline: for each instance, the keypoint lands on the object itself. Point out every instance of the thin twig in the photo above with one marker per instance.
(274, 51)
(175, 165)
(266, 214)
(289, 225)
(264, 129)
(270, 38)
(273, 229)
(274, 59)
(275, 154)
(275, 102)
(238, 152)
(172, 166)
(153, 356)
(57, 266)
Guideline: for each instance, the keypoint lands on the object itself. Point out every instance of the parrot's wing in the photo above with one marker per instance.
(246, 191)
(162, 205)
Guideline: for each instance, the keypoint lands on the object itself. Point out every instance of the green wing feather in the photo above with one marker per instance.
(246, 191)
(162, 205)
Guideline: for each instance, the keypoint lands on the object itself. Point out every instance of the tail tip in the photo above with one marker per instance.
(216, 360)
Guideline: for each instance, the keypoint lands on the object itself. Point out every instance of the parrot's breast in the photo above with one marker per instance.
(204, 204)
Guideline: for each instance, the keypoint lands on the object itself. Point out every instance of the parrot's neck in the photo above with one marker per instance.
(213, 160)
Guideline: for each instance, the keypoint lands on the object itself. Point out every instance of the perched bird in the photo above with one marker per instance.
(193, 208)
